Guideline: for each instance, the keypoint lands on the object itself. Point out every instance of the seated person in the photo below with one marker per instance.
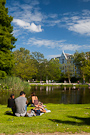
(11, 102)
(34, 99)
(20, 104)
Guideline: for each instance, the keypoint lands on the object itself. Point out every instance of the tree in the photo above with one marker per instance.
(86, 67)
(42, 72)
(39, 62)
(24, 65)
(69, 70)
(46, 69)
(80, 62)
(79, 59)
(7, 41)
(39, 57)
(53, 70)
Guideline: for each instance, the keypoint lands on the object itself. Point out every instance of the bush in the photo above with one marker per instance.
(2, 74)
(13, 83)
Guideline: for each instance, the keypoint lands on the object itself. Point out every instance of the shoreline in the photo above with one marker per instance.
(59, 84)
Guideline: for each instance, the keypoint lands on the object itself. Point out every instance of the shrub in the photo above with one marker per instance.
(13, 83)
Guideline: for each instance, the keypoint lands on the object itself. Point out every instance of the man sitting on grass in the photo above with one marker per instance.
(21, 104)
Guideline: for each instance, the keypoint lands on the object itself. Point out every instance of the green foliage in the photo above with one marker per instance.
(82, 62)
(13, 83)
(79, 60)
(2, 74)
(39, 57)
(53, 70)
(69, 70)
(86, 69)
(24, 65)
(34, 66)
(39, 61)
(42, 70)
(7, 40)
(62, 118)
(47, 69)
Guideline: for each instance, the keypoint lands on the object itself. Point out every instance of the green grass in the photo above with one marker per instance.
(62, 118)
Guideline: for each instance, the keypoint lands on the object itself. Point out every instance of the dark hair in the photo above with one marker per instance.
(11, 95)
(22, 92)
(33, 93)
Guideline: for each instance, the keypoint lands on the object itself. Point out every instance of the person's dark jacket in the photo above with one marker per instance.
(11, 102)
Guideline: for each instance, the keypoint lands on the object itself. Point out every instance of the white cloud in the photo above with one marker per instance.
(53, 22)
(16, 33)
(44, 42)
(26, 12)
(86, 13)
(56, 44)
(53, 15)
(70, 47)
(81, 27)
(29, 16)
(25, 25)
(79, 23)
(60, 44)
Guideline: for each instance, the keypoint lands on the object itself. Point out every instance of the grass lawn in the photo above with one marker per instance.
(62, 118)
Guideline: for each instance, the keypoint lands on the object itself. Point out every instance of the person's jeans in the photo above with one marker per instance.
(26, 107)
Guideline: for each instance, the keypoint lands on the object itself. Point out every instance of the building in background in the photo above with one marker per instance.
(66, 60)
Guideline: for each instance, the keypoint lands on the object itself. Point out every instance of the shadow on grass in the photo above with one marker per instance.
(9, 113)
(85, 121)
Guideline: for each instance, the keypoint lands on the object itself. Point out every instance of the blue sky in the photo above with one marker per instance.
(51, 26)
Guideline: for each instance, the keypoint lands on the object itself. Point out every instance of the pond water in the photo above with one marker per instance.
(53, 94)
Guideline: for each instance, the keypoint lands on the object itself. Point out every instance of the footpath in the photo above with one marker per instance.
(54, 83)
(56, 133)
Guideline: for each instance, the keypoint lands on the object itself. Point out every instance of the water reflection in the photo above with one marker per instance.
(53, 94)
(70, 96)
(56, 94)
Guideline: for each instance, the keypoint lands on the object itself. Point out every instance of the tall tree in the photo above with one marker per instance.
(7, 41)
(24, 65)
(86, 67)
(39, 57)
(53, 70)
(39, 62)
(69, 70)
(80, 62)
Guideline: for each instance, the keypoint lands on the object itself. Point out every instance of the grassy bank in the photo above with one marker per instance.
(13, 83)
(62, 118)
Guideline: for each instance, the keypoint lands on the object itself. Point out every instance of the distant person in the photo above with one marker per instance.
(11, 102)
(21, 104)
(78, 82)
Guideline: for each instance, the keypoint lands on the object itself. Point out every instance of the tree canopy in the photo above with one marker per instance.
(33, 65)
(82, 62)
(69, 69)
(24, 65)
(53, 70)
(7, 41)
